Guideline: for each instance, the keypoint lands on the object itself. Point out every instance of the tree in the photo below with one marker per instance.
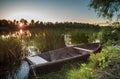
(116, 24)
(23, 21)
(106, 8)
(32, 22)
(4, 23)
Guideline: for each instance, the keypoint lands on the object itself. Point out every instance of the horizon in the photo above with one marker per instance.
(49, 11)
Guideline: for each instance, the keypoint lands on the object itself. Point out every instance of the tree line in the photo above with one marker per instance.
(24, 24)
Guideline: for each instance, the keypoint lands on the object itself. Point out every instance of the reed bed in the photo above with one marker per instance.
(10, 50)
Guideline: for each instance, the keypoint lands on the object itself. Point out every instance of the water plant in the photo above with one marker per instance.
(10, 50)
(49, 40)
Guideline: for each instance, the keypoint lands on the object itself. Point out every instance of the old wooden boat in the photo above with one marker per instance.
(54, 59)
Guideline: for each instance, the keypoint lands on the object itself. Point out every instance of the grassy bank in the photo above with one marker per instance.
(103, 65)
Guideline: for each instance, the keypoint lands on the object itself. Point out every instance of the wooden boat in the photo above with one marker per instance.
(54, 59)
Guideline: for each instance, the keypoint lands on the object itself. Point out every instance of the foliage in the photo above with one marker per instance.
(56, 75)
(78, 37)
(10, 50)
(112, 70)
(109, 34)
(102, 59)
(106, 8)
(49, 40)
(84, 72)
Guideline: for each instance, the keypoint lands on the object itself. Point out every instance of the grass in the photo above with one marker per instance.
(49, 40)
(103, 65)
(10, 50)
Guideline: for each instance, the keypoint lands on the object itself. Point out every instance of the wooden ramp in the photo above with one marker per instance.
(36, 60)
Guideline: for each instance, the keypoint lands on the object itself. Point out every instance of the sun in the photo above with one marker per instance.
(21, 31)
(21, 25)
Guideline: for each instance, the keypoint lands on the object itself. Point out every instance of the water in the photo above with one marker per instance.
(21, 72)
(45, 40)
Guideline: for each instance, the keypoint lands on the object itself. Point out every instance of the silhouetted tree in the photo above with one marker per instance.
(32, 22)
(4, 23)
(23, 21)
(37, 23)
(41, 24)
(116, 24)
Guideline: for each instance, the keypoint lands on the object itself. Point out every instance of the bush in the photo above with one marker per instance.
(113, 69)
(109, 34)
(84, 72)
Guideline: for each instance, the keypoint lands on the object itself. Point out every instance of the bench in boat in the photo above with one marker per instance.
(78, 48)
(36, 60)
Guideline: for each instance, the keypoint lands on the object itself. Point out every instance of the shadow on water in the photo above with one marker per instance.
(18, 72)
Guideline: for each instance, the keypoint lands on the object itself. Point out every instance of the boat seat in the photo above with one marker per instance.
(78, 48)
(36, 60)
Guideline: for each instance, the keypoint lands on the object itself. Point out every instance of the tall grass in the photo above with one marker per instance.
(49, 39)
(10, 50)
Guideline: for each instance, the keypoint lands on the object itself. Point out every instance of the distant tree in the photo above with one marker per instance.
(106, 8)
(4, 23)
(36, 23)
(14, 21)
(117, 24)
(41, 24)
(23, 21)
(32, 22)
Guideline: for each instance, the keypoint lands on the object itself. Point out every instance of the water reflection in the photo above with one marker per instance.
(18, 72)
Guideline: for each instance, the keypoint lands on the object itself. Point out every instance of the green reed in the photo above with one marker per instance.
(10, 50)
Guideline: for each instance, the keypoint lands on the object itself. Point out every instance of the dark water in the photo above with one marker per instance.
(18, 72)
(45, 40)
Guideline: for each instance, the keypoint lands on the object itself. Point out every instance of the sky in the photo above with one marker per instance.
(49, 10)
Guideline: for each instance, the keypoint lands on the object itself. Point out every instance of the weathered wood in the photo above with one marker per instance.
(54, 59)
(36, 60)
(78, 48)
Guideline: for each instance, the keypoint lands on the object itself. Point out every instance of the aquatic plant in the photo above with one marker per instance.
(10, 50)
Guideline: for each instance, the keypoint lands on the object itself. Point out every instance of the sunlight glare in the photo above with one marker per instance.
(21, 31)
(21, 25)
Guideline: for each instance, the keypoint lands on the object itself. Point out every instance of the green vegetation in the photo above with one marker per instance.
(79, 36)
(109, 35)
(10, 51)
(48, 39)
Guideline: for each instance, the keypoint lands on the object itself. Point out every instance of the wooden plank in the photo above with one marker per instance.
(78, 48)
(36, 60)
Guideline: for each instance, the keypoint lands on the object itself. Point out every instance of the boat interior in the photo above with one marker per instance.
(63, 53)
